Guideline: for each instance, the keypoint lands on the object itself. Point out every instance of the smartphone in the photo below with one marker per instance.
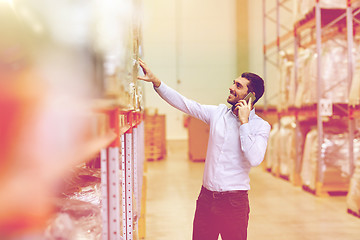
(250, 95)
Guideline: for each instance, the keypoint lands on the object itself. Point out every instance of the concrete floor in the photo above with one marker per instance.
(279, 211)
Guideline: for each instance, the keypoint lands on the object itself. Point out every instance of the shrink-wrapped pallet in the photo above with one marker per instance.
(309, 159)
(305, 75)
(287, 83)
(309, 78)
(275, 153)
(272, 148)
(334, 162)
(354, 96)
(334, 74)
(353, 197)
(287, 148)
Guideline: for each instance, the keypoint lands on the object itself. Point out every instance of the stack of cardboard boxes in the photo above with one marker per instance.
(155, 136)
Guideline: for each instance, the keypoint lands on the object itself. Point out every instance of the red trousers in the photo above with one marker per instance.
(225, 213)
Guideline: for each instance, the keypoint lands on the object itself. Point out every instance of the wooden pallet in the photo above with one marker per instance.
(154, 158)
(155, 137)
(308, 189)
(275, 172)
(285, 177)
(327, 190)
(356, 214)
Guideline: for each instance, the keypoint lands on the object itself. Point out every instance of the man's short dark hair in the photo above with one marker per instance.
(256, 84)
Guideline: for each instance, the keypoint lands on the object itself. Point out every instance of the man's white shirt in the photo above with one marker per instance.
(233, 148)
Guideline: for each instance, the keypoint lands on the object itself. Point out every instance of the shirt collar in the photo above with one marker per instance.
(251, 116)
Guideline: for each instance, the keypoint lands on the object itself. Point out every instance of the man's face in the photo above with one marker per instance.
(238, 90)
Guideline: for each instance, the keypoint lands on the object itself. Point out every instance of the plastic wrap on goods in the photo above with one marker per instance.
(78, 209)
(353, 197)
(84, 185)
(309, 156)
(75, 220)
(310, 78)
(275, 168)
(305, 61)
(334, 73)
(287, 83)
(287, 152)
(354, 98)
(271, 151)
(334, 162)
(334, 70)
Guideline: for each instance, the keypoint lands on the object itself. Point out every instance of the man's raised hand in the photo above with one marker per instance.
(149, 76)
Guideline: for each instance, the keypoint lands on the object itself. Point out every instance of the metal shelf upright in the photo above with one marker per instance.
(128, 147)
(281, 41)
(110, 180)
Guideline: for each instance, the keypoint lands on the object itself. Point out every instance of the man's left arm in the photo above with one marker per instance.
(254, 141)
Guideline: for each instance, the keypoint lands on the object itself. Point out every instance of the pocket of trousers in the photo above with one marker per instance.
(239, 201)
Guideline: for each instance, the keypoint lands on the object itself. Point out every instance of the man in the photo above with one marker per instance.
(237, 142)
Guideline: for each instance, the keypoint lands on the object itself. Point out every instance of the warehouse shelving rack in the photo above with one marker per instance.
(127, 151)
(316, 27)
(122, 163)
(284, 38)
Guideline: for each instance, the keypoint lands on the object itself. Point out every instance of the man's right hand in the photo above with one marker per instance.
(149, 76)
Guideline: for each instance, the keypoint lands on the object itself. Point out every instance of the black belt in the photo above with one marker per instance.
(215, 194)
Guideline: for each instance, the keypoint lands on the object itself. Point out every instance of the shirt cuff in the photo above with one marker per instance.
(245, 129)
(160, 88)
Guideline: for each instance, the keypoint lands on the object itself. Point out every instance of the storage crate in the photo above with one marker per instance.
(155, 137)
